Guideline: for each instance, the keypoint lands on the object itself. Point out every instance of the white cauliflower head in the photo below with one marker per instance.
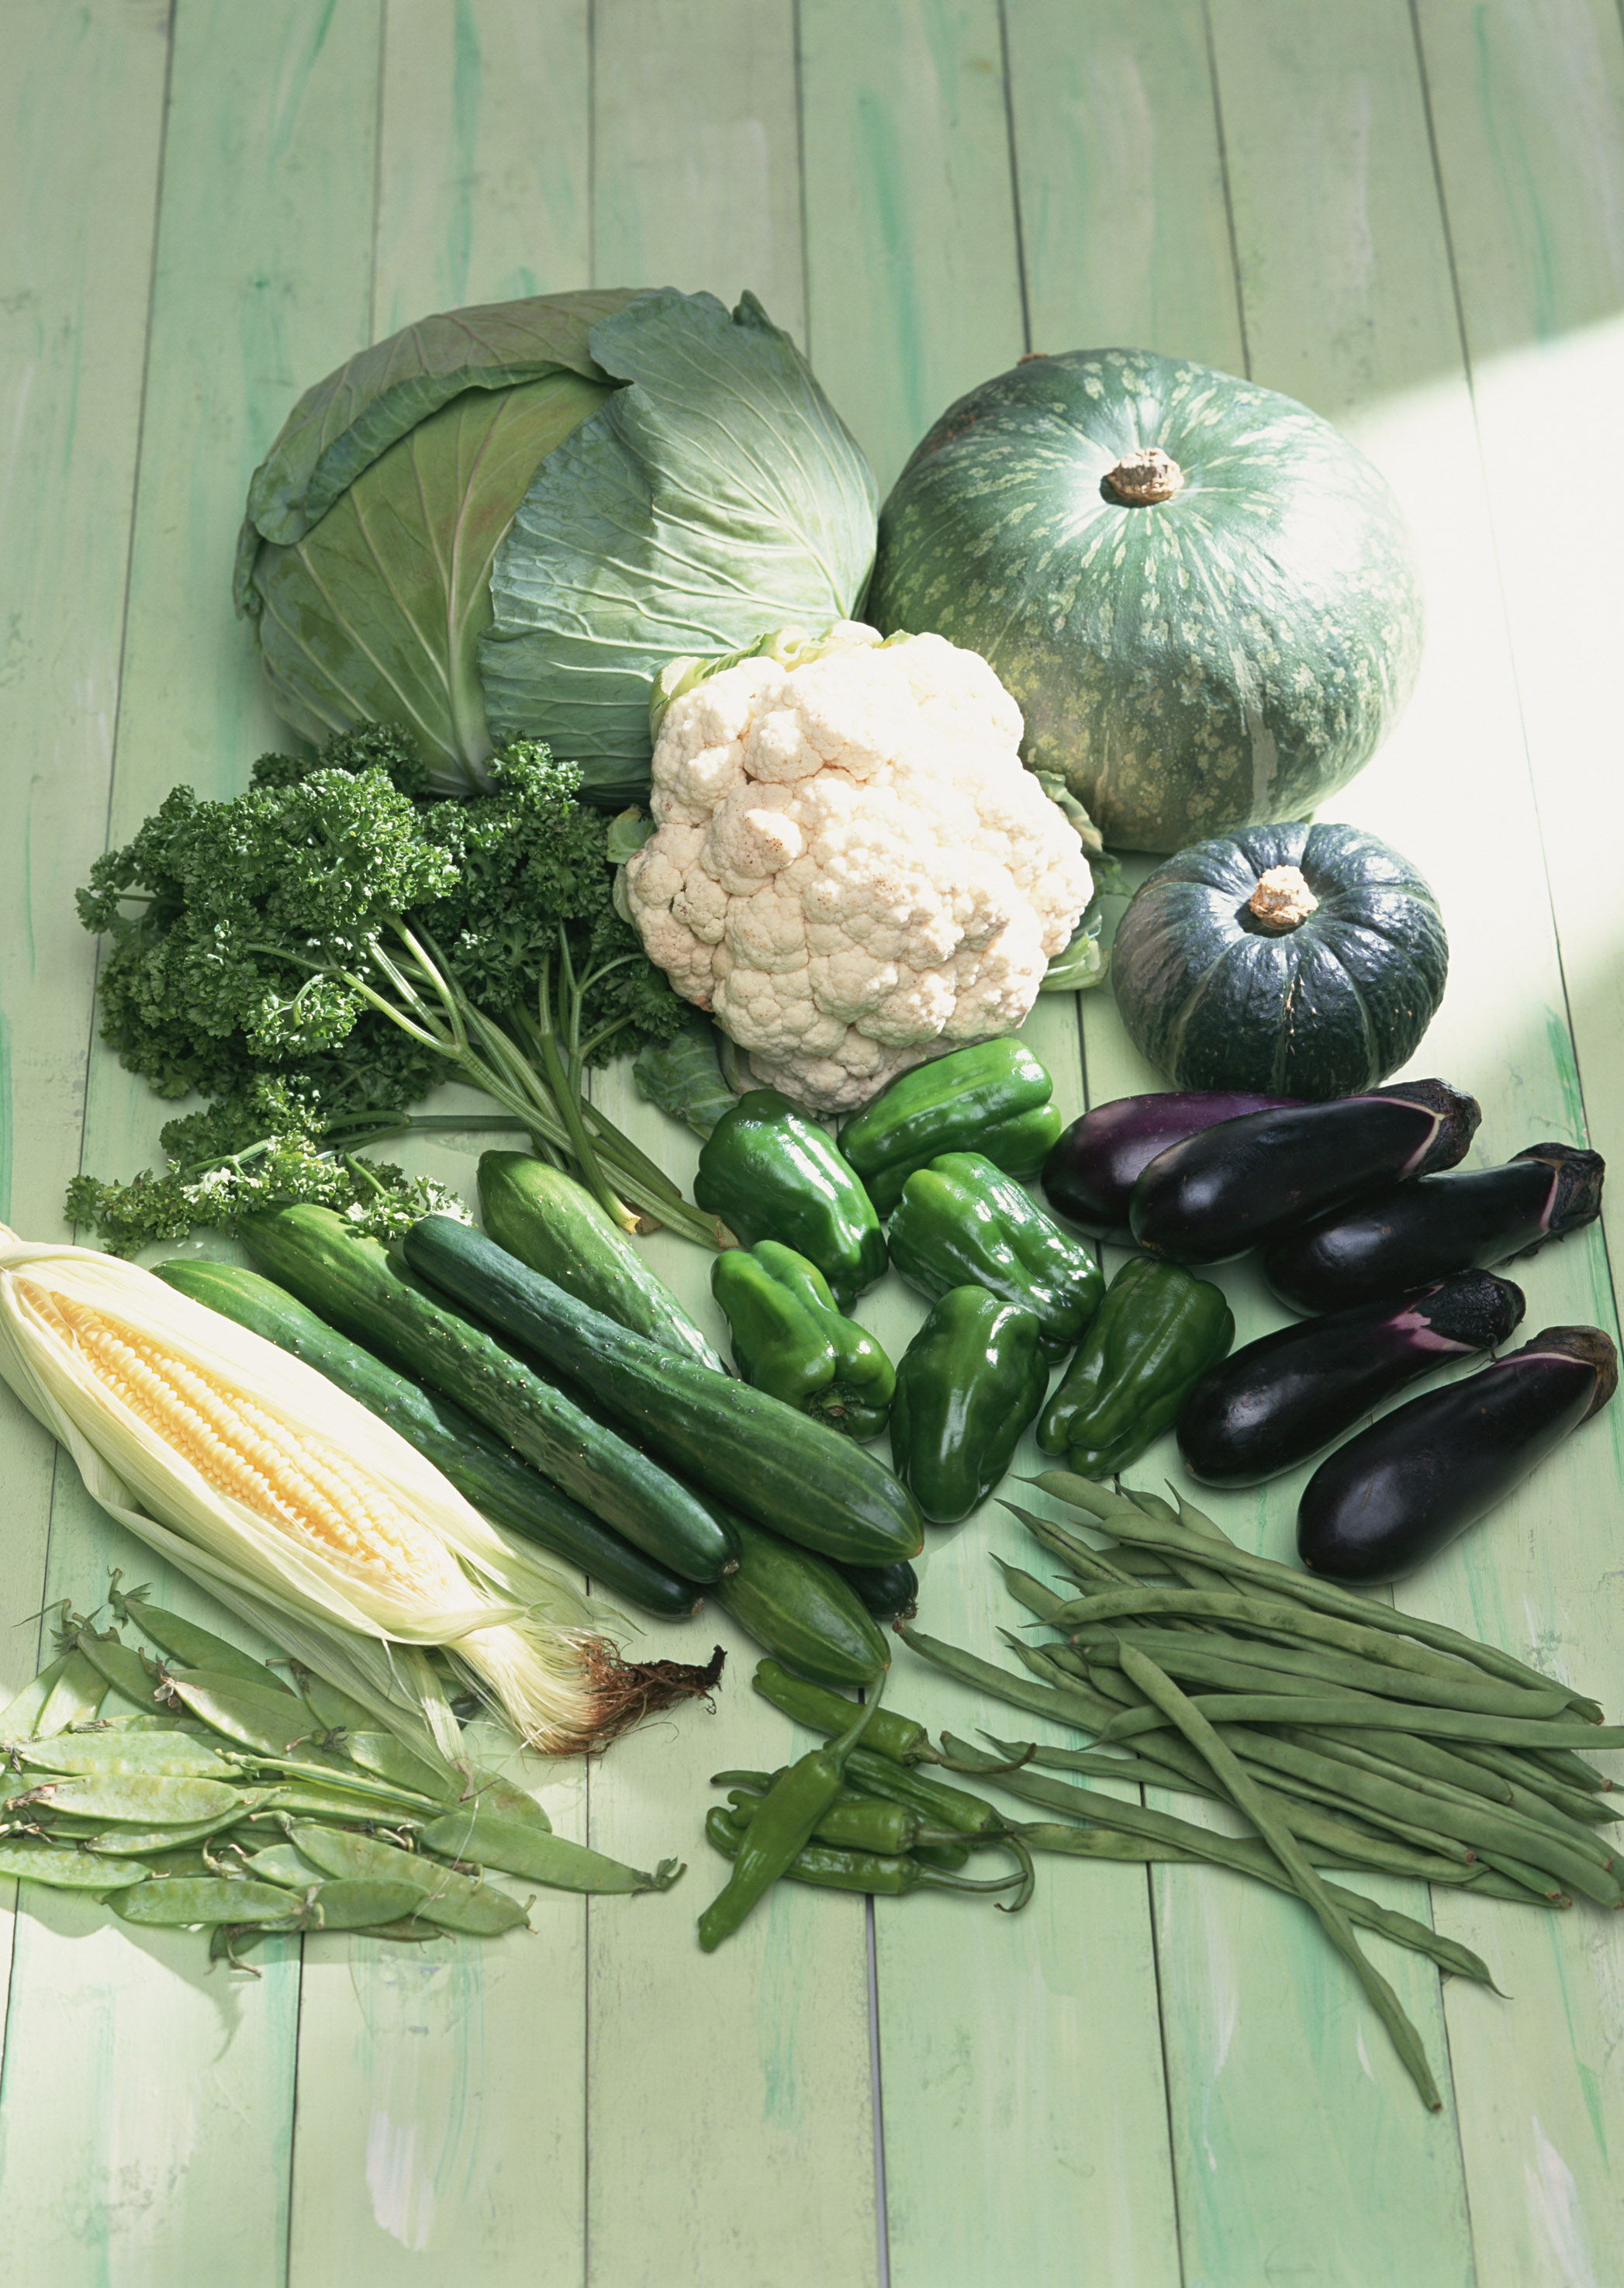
(851, 867)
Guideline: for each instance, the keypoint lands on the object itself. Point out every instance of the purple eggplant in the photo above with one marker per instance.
(1090, 1171)
(1241, 1184)
(1416, 1233)
(1400, 1491)
(1273, 1404)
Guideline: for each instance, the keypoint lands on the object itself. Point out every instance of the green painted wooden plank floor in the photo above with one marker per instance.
(1410, 215)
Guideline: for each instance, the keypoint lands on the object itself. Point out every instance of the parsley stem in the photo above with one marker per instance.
(581, 1143)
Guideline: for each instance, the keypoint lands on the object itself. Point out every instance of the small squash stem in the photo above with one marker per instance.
(1282, 900)
(1141, 478)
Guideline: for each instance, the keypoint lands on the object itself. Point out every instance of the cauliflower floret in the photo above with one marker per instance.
(850, 867)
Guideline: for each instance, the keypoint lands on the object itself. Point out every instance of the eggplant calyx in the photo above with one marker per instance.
(1456, 1113)
(1587, 1345)
(1473, 1308)
(1576, 1188)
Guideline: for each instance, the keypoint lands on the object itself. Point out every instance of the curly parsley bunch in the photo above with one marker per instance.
(318, 953)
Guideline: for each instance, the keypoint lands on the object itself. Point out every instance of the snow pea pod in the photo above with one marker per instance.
(34, 1859)
(178, 1901)
(122, 1666)
(73, 1698)
(283, 1863)
(119, 1755)
(193, 1647)
(453, 1901)
(492, 1792)
(389, 1759)
(487, 1840)
(356, 1903)
(153, 1798)
(20, 1715)
(251, 1714)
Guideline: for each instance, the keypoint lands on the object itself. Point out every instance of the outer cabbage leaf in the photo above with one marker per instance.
(372, 615)
(716, 498)
(685, 1075)
(342, 425)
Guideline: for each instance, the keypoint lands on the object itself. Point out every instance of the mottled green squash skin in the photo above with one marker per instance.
(1224, 657)
(1326, 1009)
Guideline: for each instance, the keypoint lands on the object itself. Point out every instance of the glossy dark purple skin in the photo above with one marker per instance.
(1271, 1405)
(1418, 1232)
(1405, 1488)
(1091, 1169)
(1241, 1184)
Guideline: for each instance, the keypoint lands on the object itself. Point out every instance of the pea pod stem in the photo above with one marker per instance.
(1182, 1712)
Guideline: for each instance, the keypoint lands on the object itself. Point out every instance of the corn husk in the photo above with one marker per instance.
(528, 1639)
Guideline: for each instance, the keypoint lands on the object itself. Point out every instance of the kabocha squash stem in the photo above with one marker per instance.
(1304, 960)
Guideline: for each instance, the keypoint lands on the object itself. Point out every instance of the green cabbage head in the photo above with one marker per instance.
(502, 522)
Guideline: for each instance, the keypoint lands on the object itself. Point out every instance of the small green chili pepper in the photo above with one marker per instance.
(1157, 1329)
(962, 1222)
(791, 1338)
(937, 1804)
(967, 1385)
(994, 1098)
(900, 1737)
(882, 1874)
(769, 1171)
(789, 1813)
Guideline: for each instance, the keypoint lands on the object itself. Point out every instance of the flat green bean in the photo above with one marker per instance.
(1357, 1712)
(1327, 1667)
(1120, 1515)
(1332, 1916)
(1242, 1855)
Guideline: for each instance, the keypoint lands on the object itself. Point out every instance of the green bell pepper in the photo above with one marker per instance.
(967, 1385)
(769, 1171)
(994, 1098)
(791, 1339)
(962, 1222)
(1157, 1330)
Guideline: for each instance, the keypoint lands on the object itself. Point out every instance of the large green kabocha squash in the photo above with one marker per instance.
(1203, 598)
(1292, 960)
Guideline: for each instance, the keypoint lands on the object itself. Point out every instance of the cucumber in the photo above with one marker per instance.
(778, 1466)
(800, 1609)
(483, 1469)
(888, 1592)
(553, 1224)
(352, 1282)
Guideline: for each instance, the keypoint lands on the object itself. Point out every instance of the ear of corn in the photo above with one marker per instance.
(305, 1511)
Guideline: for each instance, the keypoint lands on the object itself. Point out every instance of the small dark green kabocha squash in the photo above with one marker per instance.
(1202, 597)
(1301, 960)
